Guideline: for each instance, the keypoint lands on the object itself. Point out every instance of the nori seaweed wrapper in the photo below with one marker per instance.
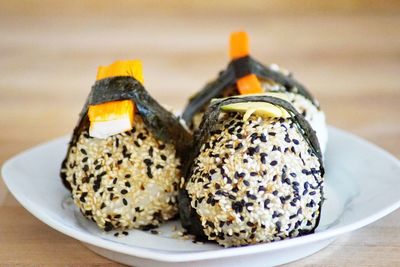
(189, 218)
(236, 69)
(160, 122)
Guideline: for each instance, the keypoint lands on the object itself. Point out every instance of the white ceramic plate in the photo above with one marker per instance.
(362, 183)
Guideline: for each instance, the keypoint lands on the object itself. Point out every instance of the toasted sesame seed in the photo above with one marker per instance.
(148, 162)
(154, 232)
(238, 146)
(159, 166)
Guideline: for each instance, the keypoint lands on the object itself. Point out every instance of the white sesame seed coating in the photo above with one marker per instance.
(128, 180)
(255, 181)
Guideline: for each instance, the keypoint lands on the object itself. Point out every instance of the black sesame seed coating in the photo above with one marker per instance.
(119, 173)
(263, 182)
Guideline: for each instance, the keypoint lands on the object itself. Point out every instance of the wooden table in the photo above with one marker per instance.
(49, 60)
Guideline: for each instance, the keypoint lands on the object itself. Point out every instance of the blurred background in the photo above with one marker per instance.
(347, 52)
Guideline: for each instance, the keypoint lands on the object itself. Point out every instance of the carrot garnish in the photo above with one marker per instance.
(249, 84)
(130, 68)
(239, 45)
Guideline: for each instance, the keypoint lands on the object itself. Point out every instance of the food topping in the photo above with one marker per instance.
(114, 117)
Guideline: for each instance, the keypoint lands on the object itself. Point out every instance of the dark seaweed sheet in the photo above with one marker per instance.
(162, 123)
(211, 90)
(235, 70)
(189, 218)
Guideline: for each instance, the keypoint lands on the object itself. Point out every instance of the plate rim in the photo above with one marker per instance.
(176, 256)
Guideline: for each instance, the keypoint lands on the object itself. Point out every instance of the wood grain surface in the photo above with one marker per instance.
(347, 53)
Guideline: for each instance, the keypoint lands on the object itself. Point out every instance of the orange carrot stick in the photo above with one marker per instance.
(131, 68)
(239, 45)
(249, 84)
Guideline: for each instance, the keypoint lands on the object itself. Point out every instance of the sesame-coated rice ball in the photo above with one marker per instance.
(255, 181)
(128, 180)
